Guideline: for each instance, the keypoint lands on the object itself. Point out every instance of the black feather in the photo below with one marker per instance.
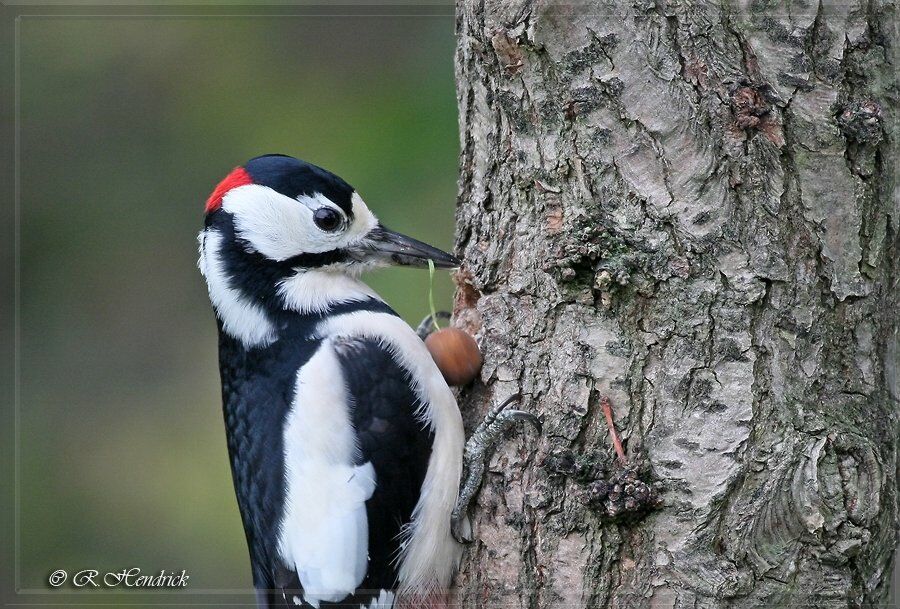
(293, 177)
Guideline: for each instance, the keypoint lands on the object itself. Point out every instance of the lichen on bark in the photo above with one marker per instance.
(686, 207)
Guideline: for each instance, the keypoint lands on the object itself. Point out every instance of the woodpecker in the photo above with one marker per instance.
(346, 444)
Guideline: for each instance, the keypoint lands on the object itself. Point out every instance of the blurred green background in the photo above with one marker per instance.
(126, 125)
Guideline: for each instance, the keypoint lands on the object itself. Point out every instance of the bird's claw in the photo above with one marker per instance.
(461, 528)
(512, 416)
(479, 449)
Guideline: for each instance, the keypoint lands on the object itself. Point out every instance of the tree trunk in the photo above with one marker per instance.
(686, 207)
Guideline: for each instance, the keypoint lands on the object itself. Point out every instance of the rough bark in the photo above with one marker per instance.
(686, 207)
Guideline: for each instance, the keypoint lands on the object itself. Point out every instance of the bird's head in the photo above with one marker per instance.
(294, 214)
(281, 233)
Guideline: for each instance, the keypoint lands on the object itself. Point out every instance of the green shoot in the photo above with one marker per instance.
(431, 294)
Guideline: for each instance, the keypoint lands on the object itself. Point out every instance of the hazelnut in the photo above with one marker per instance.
(456, 354)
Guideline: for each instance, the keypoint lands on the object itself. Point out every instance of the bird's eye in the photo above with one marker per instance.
(327, 219)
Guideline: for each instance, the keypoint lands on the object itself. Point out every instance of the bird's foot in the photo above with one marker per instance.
(479, 448)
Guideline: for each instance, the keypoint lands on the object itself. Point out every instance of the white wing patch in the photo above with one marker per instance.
(324, 529)
(430, 555)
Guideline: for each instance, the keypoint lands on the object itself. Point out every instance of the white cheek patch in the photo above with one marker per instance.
(363, 219)
(276, 226)
(279, 227)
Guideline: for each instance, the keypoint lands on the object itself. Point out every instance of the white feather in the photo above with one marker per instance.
(278, 228)
(324, 529)
(241, 318)
(316, 290)
(430, 554)
(384, 600)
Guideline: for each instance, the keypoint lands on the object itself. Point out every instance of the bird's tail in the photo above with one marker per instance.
(382, 599)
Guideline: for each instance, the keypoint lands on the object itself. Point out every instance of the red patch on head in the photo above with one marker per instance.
(238, 177)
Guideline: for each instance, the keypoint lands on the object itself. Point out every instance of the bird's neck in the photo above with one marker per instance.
(296, 306)
(314, 291)
(257, 300)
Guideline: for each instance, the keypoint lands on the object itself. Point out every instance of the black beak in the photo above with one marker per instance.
(386, 246)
